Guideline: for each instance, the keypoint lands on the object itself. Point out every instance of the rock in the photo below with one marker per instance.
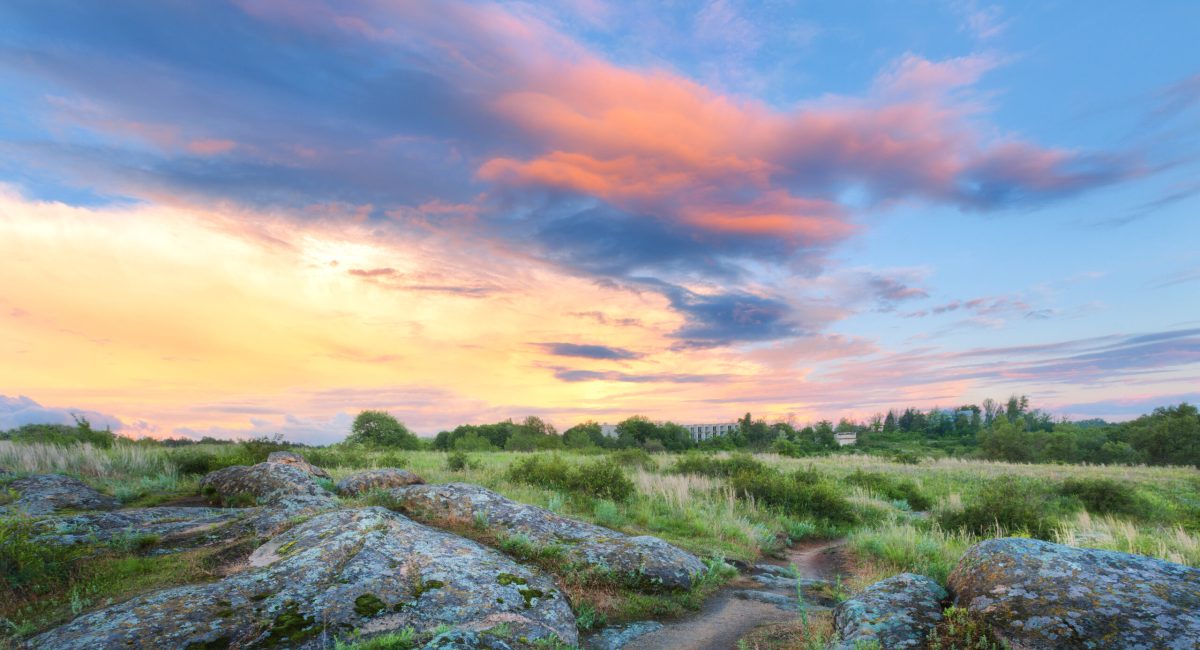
(778, 571)
(645, 561)
(367, 569)
(1036, 594)
(372, 479)
(265, 483)
(898, 612)
(615, 637)
(44, 494)
(296, 460)
(281, 514)
(167, 523)
(465, 640)
(771, 598)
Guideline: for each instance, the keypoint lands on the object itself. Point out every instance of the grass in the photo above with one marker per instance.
(695, 502)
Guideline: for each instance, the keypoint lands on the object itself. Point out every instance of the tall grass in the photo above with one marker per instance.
(84, 460)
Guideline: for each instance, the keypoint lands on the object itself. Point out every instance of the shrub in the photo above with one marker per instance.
(959, 629)
(892, 488)
(1015, 505)
(804, 493)
(634, 457)
(601, 479)
(1102, 495)
(718, 467)
(29, 567)
(194, 461)
(458, 461)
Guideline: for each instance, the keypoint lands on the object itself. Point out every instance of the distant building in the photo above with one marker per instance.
(708, 431)
(846, 438)
(697, 431)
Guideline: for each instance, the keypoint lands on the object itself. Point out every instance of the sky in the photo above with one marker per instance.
(237, 218)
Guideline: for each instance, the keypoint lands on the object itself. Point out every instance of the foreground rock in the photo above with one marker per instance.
(898, 612)
(135, 526)
(368, 569)
(262, 483)
(297, 461)
(44, 494)
(376, 479)
(1036, 594)
(646, 561)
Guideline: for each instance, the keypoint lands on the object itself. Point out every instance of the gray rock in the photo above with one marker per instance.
(1036, 594)
(44, 494)
(367, 570)
(168, 523)
(615, 637)
(778, 571)
(265, 482)
(298, 461)
(898, 612)
(466, 640)
(644, 561)
(373, 479)
(769, 597)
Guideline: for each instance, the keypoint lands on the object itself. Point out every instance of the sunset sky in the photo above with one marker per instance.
(259, 216)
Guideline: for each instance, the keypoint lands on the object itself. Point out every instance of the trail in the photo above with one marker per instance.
(727, 617)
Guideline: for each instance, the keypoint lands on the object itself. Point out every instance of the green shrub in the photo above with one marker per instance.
(804, 493)
(1103, 496)
(1015, 505)
(457, 461)
(194, 461)
(634, 457)
(892, 488)
(602, 479)
(718, 467)
(29, 567)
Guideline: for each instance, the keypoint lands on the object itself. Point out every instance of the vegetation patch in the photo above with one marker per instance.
(601, 479)
(959, 630)
(368, 605)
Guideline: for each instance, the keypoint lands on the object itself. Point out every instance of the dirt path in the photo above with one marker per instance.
(726, 618)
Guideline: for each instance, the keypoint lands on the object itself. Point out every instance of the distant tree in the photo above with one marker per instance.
(586, 434)
(1168, 436)
(380, 429)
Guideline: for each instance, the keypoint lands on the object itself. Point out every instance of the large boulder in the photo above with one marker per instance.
(44, 494)
(898, 612)
(644, 560)
(298, 461)
(376, 479)
(1035, 594)
(262, 483)
(364, 571)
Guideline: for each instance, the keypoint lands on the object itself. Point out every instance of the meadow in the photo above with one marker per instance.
(893, 516)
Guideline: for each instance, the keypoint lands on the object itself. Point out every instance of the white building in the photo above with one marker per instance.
(697, 431)
(846, 438)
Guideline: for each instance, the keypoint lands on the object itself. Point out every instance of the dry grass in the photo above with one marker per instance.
(1173, 544)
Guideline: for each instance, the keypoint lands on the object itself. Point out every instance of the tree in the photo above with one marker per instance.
(380, 429)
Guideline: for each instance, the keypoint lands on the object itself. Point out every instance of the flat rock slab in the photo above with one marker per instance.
(44, 494)
(898, 612)
(265, 482)
(615, 637)
(167, 523)
(368, 569)
(376, 479)
(644, 561)
(297, 461)
(1036, 594)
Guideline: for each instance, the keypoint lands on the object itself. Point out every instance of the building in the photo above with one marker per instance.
(846, 438)
(697, 431)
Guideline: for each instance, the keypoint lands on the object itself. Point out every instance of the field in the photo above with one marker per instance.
(894, 516)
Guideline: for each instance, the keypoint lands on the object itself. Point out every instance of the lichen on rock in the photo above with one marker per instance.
(643, 560)
(898, 612)
(1035, 594)
(44, 494)
(376, 479)
(367, 570)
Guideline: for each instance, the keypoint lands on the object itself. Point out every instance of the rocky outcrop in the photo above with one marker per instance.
(898, 612)
(367, 570)
(166, 524)
(1035, 594)
(298, 461)
(616, 637)
(376, 479)
(644, 561)
(263, 483)
(44, 494)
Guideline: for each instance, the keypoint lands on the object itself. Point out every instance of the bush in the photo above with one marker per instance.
(805, 493)
(891, 488)
(718, 467)
(601, 479)
(194, 461)
(1015, 505)
(458, 461)
(1103, 496)
(29, 567)
(634, 457)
